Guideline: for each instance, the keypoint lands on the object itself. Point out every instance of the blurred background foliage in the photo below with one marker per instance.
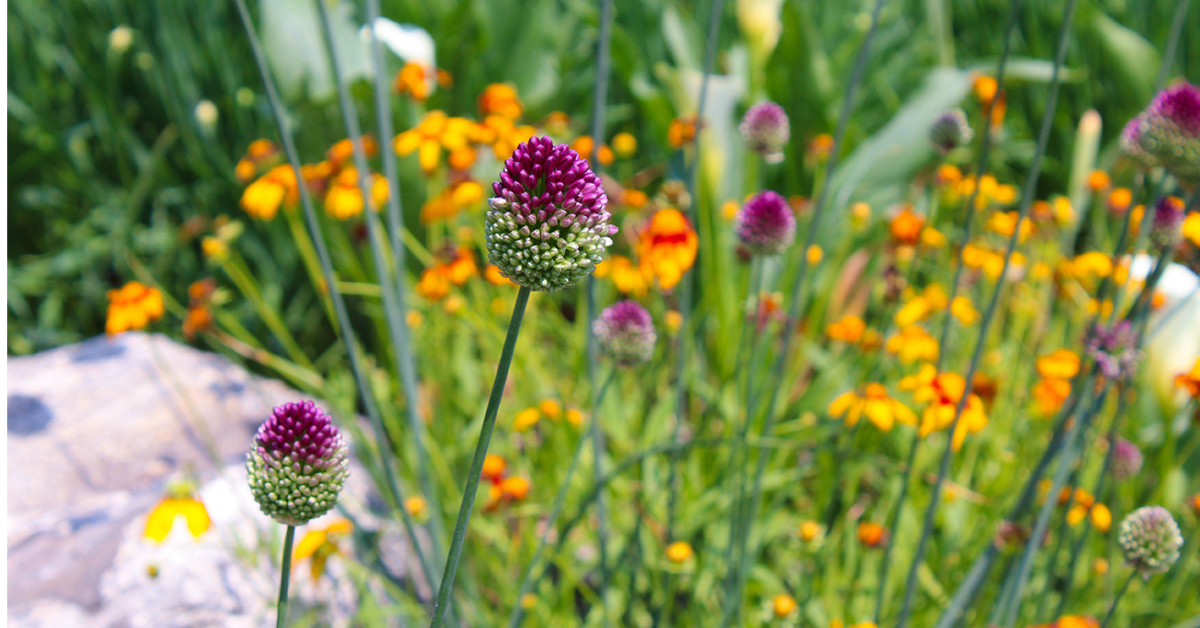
(108, 158)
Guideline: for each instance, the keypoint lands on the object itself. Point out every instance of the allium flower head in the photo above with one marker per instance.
(1168, 217)
(766, 224)
(298, 464)
(1127, 459)
(1131, 145)
(547, 226)
(766, 129)
(950, 130)
(1114, 349)
(1170, 130)
(1150, 540)
(626, 333)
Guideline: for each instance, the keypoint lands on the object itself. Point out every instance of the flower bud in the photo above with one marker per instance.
(950, 130)
(298, 464)
(766, 130)
(1170, 130)
(1150, 540)
(626, 333)
(765, 225)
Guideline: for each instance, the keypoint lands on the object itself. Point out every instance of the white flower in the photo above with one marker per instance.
(207, 114)
(1172, 341)
(120, 39)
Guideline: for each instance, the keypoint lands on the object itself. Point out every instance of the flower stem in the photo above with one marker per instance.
(481, 448)
(1112, 610)
(284, 577)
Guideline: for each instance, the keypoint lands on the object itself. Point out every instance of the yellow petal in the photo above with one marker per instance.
(430, 152)
(841, 404)
(308, 545)
(879, 411)
(196, 516)
(161, 519)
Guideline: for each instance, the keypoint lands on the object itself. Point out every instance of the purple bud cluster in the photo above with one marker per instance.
(1114, 349)
(765, 224)
(1169, 131)
(766, 130)
(298, 463)
(1150, 540)
(626, 333)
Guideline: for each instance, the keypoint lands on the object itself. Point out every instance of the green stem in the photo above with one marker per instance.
(284, 577)
(528, 580)
(1112, 610)
(481, 448)
(1026, 202)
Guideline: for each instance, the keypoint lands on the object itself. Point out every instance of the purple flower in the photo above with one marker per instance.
(1131, 145)
(766, 225)
(626, 333)
(1150, 540)
(1170, 130)
(1168, 216)
(1127, 459)
(1114, 349)
(766, 129)
(950, 130)
(547, 226)
(298, 464)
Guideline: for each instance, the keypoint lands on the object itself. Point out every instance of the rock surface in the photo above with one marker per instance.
(95, 431)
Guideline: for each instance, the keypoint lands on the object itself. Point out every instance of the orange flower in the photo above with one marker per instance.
(435, 132)
(1005, 223)
(874, 401)
(516, 489)
(667, 247)
(133, 306)
(433, 285)
(262, 198)
(452, 201)
(493, 276)
(1061, 364)
(500, 99)
(847, 329)
(906, 227)
(918, 308)
(985, 89)
(626, 277)
(412, 80)
(1098, 181)
(1190, 380)
(783, 605)
(1049, 395)
(941, 393)
(343, 151)
(679, 552)
(1119, 200)
(821, 146)
(681, 131)
(493, 467)
(872, 534)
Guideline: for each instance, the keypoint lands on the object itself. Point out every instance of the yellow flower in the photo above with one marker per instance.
(435, 132)
(433, 284)
(667, 247)
(416, 506)
(574, 417)
(551, 409)
(162, 518)
(847, 329)
(414, 319)
(964, 311)
(493, 276)
(783, 605)
(526, 419)
(729, 209)
(918, 308)
(1091, 264)
(1049, 395)
(1191, 228)
(133, 306)
(343, 150)
(1119, 200)
(1098, 181)
(626, 277)
(262, 198)
(1005, 223)
(625, 144)
(320, 544)
(1190, 380)
(673, 320)
(1061, 364)
(679, 552)
(912, 344)
(941, 393)
(814, 254)
(502, 134)
(500, 99)
(932, 238)
(411, 80)
(820, 146)
(452, 201)
(874, 401)
(1100, 567)
(1101, 518)
(859, 214)
(344, 200)
(810, 531)
(515, 489)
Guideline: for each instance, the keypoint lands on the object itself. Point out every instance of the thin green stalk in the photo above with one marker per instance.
(1172, 44)
(394, 304)
(688, 282)
(485, 438)
(599, 107)
(528, 580)
(236, 270)
(794, 310)
(1026, 201)
(943, 338)
(1117, 600)
(339, 304)
(284, 577)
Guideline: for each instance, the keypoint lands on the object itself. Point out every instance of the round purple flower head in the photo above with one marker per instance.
(1168, 216)
(298, 464)
(1127, 459)
(626, 333)
(766, 129)
(1114, 349)
(547, 226)
(950, 130)
(1171, 130)
(1150, 540)
(1131, 145)
(765, 224)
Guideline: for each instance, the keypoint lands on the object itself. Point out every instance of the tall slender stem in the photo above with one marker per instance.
(1112, 610)
(284, 577)
(528, 580)
(481, 448)
(339, 304)
(797, 290)
(404, 355)
(1026, 201)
